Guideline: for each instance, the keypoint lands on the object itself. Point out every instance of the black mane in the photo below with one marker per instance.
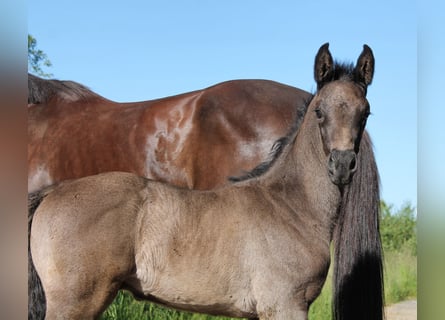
(347, 71)
(41, 90)
(343, 71)
(277, 148)
(263, 167)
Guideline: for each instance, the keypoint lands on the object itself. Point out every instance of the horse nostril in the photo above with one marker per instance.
(333, 156)
(331, 163)
(342, 165)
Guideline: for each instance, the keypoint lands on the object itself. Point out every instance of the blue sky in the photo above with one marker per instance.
(141, 50)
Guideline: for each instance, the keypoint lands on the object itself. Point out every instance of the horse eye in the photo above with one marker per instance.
(318, 113)
(367, 114)
(365, 118)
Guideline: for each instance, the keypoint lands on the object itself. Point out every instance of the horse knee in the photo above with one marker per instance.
(284, 306)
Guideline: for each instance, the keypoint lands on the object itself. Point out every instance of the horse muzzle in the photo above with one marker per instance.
(341, 166)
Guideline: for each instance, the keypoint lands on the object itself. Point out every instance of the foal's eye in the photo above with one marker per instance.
(319, 114)
(367, 114)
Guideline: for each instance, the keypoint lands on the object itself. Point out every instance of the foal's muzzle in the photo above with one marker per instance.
(341, 166)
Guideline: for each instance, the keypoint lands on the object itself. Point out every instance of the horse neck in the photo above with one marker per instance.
(300, 177)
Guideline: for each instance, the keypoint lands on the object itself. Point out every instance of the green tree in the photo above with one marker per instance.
(37, 58)
(398, 230)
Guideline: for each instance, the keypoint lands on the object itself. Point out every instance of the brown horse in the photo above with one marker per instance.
(259, 248)
(196, 139)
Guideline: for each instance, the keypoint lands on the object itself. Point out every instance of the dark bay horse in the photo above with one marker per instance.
(195, 140)
(259, 248)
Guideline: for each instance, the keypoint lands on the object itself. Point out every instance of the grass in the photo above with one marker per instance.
(400, 276)
(400, 284)
(124, 307)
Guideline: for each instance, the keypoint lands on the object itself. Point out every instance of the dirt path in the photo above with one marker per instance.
(406, 310)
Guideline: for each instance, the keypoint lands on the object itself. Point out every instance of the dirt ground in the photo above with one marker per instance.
(406, 310)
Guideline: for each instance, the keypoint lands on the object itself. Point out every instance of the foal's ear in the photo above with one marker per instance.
(364, 70)
(324, 66)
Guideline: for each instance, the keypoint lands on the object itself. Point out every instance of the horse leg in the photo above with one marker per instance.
(283, 306)
(77, 287)
(79, 302)
(284, 314)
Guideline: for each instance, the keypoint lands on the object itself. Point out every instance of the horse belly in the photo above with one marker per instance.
(195, 292)
(184, 281)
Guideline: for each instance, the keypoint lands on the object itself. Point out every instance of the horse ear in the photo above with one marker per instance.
(324, 66)
(364, 70)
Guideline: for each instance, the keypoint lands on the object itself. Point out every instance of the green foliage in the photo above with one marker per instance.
(36, 58)
(398, 230)
(399, 238)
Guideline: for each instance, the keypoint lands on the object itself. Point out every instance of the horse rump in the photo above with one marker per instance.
(36, 294)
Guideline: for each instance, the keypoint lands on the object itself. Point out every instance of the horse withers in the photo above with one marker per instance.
(259, 248)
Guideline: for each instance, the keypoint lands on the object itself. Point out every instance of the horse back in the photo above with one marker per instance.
(194, 140)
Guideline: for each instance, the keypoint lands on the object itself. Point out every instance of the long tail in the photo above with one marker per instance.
(36, 295)
(358, 270)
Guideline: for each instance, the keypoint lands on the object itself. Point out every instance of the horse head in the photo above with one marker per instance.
(341, 109)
